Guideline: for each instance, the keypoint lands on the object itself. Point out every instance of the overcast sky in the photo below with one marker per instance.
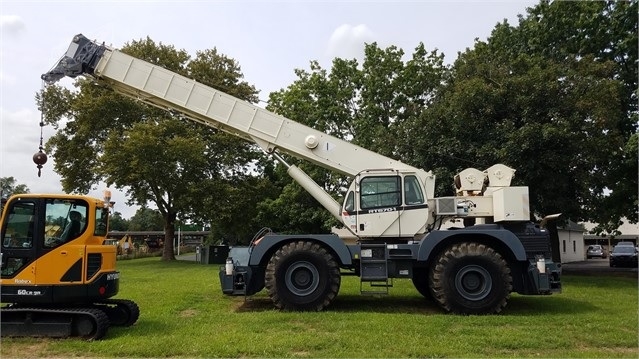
(269, 39)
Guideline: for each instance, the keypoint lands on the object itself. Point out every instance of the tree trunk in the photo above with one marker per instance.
(169, 235)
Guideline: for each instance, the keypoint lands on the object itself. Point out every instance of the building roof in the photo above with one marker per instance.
(626, 229)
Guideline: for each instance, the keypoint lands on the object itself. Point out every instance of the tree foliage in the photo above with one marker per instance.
(554, 98)
(10, 186)
(154, 155)
(117, 223)
(146, 219)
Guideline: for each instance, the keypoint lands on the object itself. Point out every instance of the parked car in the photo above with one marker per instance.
(626, 244)
(624, 256)
(595, 250)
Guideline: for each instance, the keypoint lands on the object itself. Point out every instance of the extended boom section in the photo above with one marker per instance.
(163, 88)
(393, 220)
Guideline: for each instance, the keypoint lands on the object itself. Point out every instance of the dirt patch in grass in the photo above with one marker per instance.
(240, 305)
(31, 350)
(188, 313)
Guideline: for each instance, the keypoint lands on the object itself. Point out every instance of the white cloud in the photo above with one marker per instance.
(12, 24)
(19, 141)
(347, 41)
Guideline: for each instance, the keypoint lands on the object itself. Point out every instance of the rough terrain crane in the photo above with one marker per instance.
(389, 208)
(57, 275)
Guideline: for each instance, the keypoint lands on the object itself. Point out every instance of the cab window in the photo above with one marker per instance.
(349, 204)
(101, 221)
(412, 191)
(18, 233)
(64, 221)
(377, 192)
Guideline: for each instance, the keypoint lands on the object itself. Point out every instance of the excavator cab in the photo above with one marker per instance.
(44, 232)
(56, 272)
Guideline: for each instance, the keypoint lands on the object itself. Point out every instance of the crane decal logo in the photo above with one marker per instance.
(382, 210)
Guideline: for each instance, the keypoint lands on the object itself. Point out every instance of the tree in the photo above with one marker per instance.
(10, 186)
(154, 155)
(554, 98)
(146, 219)
(117, 223)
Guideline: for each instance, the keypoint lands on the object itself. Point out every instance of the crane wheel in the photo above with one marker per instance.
(421, 282)
(302, 276)
(470, 278)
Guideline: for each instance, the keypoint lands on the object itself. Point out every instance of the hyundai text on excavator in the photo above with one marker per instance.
(57, 275)
(389, 209)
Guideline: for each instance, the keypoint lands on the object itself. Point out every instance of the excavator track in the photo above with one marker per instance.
(121, 312)
(54, 322)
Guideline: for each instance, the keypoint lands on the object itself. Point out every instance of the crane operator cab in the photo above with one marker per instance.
(387, 203)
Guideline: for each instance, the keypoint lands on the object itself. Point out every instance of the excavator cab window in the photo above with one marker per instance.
(17, 235)
(101, 221)
(65, 221)
(18, 232)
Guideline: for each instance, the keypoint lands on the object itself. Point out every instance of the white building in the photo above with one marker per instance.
(571, 243)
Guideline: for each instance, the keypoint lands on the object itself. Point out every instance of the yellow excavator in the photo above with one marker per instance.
(58, 276)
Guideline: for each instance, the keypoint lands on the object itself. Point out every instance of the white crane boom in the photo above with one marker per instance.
(166, 89)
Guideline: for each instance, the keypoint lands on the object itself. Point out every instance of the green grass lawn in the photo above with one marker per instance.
(184, 314)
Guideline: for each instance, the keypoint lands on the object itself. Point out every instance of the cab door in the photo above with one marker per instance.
(379, 202)
(18, 241)
(63, 254)
(414, 210)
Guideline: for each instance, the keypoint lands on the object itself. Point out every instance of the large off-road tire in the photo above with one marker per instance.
(302, 276)
(421, 282)
(471, 278)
